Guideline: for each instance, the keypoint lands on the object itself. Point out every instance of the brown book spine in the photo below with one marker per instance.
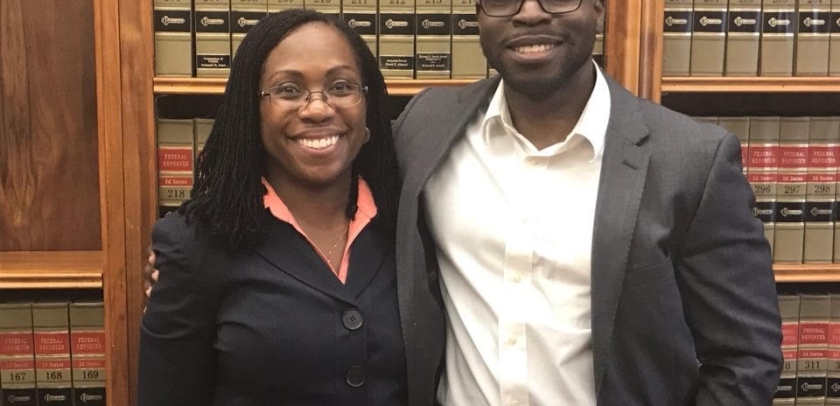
(396, 38)
(763, 162)
(468, 60)
(212, 38)
(17, 355)
(814, 19)
(676, 43)
(832, 395)
(244, 15)
(708, 41)
(598, 50)
(360, 15)
(331, 7)
(276, 6)
(743, 38)
(812, 357)
(834, 41)
(740, 126)
(822, 181)
(433, 39)
(173, 38)
(778, 37)
(786, 389)
(175, 161)
(87, 351)
(791, 190)
(52, 354)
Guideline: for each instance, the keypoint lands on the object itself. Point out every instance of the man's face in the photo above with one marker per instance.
(536, 52)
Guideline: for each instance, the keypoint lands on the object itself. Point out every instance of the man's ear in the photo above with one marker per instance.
(599, 23)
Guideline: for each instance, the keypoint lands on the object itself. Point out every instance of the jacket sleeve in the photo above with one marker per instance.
(727, 284)
(177, 360)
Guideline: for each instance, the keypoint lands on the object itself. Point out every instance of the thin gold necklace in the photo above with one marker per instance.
(340, 237)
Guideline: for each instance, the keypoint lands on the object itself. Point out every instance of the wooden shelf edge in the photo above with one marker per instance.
(807, 272)
(51, 270)
(405, 87)
(750, 84)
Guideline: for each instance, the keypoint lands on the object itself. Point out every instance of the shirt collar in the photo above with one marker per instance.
(272, 202)
(592, 124)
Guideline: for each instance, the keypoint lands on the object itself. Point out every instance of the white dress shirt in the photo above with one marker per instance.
(513, 227)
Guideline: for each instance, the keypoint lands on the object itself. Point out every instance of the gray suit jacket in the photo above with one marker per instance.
(684, 306)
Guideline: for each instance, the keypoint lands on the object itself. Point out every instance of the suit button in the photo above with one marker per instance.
(352, 319)
(356, 376)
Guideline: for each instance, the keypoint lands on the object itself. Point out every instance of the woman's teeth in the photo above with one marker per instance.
(319, 143)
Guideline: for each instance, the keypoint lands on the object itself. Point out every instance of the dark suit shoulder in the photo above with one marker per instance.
(181, 243)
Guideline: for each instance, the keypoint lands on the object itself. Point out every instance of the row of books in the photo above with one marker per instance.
(422, 39)
(751, 38)
(811, 349)
(52, 353)
(792, 165)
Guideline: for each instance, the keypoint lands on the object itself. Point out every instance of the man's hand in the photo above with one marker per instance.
(150, 273)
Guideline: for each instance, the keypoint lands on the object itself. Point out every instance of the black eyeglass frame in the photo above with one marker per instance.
(518, 9)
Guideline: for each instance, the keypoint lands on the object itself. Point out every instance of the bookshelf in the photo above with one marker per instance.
(51, 270)
(750, 84)
(807, 272)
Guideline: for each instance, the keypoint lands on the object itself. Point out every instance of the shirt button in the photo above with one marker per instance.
(532, 161)
(517, 278)
(511, 341)
(356, 376)
(352, 319)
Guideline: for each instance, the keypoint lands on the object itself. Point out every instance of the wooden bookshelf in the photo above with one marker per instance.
(217, 85)
(51, 269)
(807, 272)
(751, 84)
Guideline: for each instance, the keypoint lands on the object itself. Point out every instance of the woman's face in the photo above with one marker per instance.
(312, 143)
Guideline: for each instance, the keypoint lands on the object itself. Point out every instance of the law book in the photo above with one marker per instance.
(791, 190)
(360, 15)
(676, 42)
(433, 39)
(812, 357)
(708, 40)
(87, 352)
(244, 15)
(51, 328)
(276, 6)
(834, 41)
(740, 127)
(203, 126)
(832, 395)
(786, 389)
(598, 50)
(17, 355)
(468, 60)
(175, 161)
(762, 163)
(820, 199)
(742, 38)
(777, 37)
(331, 7)
(212, 38)
(173, 38)
(396, 38)
(814, 19)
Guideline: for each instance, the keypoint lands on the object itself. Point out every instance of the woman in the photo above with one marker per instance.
(277, 282)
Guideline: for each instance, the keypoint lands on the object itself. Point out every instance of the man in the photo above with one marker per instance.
(583, 246)
(592, 247)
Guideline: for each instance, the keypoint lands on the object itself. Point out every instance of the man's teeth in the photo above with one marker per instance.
(529, 49)
(319, 143)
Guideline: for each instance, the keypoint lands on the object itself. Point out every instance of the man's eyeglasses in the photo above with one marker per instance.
(290, 96)
(508, 8)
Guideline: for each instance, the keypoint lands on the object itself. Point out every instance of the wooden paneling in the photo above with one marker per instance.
(51, 270)
(139, 160)
(650, 51)
(49, 180)
(621, 42)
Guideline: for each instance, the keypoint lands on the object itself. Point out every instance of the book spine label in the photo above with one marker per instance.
(244, 15)
(173, 39)
(175, 161)
(822, 181)
(763, 162)
(812, 39)
(276, 6)
(742, 38)
(360, 15)
(676, 44)
(791, 190)
(52, 355)
(708, 42)
(777, 37)
(789, 310)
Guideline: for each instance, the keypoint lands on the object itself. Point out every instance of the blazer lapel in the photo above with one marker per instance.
(365, 260)
(289, 252)
(623, 171)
